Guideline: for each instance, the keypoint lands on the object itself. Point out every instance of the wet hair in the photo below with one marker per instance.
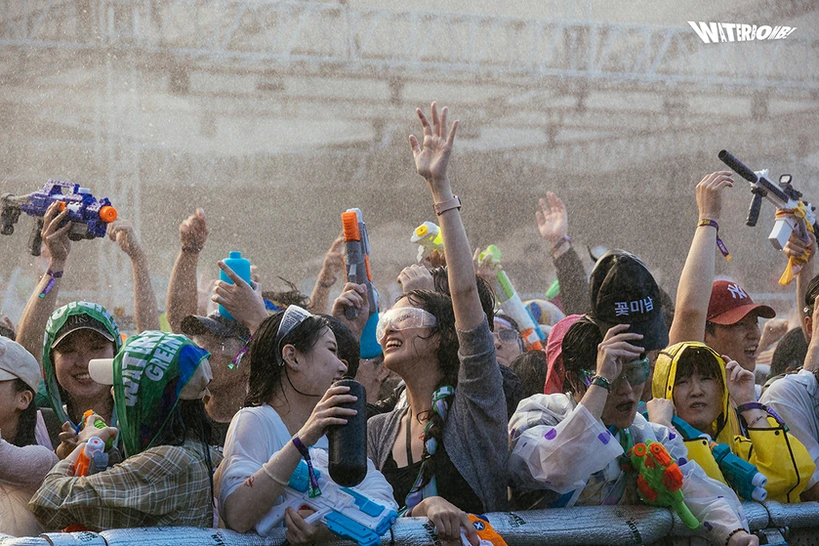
(698, 360)
(531, 368)
(440, 306)
(485, 295)
(287, 298)
(710, 328)
(790, 353)
(5, 331)
(265, 371)
(188, 418)
(579, 350)
(349, 349)
(28, 418)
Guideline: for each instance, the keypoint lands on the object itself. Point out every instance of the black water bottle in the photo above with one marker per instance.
(348, 443)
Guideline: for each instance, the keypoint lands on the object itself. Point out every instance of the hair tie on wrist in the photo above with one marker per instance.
(272, 477)
(722, 248)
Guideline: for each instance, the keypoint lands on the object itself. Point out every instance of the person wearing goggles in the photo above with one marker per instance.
(445, 452)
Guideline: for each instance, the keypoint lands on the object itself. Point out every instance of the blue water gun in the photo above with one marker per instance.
(346, 512)
(88, 215)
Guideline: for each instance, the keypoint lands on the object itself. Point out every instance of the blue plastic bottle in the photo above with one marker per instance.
(241, 267)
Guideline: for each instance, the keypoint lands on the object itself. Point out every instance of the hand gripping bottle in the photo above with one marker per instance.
(348, 443)
(240, 266)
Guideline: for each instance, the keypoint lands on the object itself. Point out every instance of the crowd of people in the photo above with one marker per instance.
(205, 424)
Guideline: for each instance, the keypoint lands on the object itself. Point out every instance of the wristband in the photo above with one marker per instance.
(752, 406)
(326, 284)
(560, 242)
(238, 358)
(758, 419)
(313, 489)
(601, 381)
(452, 203)
(192, 249)
(722, 248)
(54, 275)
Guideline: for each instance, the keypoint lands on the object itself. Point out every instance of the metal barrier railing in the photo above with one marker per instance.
(614, 525)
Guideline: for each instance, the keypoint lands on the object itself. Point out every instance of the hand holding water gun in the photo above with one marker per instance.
(660, 480)
(88, 216)
(792, 212)
(512, 305)
(346, 512)
(430, 242)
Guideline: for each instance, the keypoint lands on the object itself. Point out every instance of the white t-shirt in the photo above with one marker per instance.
(255, 434)
(795, 398)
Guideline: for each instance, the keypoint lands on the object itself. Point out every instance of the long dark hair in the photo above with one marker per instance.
(265, 372)
(28, 418)
(440, 306)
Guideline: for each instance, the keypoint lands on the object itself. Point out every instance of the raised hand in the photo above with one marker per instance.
(333, 263)
(488, 268)
(709, 196)
(193, 232)
(617, 349)
(243, 302)
(355, 296)
(740, 382)
(552, 219)
(122, 232)
(55, 233)
(415, 277)
(431, 161)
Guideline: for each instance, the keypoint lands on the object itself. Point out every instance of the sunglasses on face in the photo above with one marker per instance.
(635, 372)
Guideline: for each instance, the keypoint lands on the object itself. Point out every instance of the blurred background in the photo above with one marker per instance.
(275, 117)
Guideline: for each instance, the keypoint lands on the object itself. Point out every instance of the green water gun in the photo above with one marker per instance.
(660, 479)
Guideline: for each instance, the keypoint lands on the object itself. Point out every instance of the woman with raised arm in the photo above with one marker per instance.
(445, 454)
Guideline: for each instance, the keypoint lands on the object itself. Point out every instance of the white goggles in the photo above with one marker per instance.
(403, 318)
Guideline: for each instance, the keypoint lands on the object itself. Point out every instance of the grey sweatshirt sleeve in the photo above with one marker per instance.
(475, 434)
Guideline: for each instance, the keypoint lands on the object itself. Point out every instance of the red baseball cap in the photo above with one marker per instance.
(730, 304)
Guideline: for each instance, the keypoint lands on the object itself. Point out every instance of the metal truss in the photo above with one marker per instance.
(332, 37)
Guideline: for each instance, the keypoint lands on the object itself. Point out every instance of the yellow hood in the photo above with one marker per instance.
(665, 375)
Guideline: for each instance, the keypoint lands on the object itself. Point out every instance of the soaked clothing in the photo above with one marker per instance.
(161, 486)
(451, 485)
(559, 448)
(776, 453)
(795, 398)
(475, 430)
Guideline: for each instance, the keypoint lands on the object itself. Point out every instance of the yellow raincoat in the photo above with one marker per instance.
(776, 453)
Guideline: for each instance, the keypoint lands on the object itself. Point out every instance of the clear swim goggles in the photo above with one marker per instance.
(403, 318)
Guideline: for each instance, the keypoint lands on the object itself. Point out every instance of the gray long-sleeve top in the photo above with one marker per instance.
(475, 433)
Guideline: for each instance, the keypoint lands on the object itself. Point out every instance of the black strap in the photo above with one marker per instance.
(409, 437)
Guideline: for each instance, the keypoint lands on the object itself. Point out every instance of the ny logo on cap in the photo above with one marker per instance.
(737, 292)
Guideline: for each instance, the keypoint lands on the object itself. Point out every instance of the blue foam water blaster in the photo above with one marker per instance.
(240, 266)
